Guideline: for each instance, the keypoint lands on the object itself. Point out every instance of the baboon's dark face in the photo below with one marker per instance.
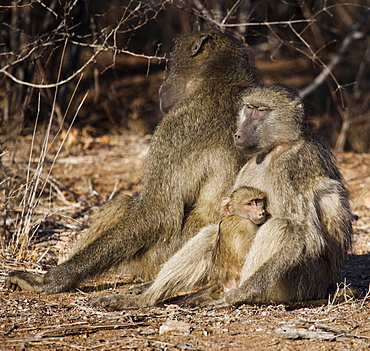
(271, 116)
(247, 139)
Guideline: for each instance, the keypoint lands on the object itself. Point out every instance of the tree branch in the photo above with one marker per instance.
(354, 34)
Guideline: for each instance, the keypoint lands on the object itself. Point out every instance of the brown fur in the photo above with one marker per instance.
(236, 232)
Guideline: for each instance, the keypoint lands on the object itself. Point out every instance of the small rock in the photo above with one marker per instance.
(175, 327)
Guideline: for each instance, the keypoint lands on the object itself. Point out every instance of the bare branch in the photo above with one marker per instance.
(354, 34)
(201, 12)
(53, 85)
(48, 8)
(202, 9)
(267, 23)
(232, 10)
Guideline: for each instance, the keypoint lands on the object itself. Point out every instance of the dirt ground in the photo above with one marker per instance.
(67, 321)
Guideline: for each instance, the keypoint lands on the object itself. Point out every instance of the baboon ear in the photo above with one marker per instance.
(198, 44)
(225, 204)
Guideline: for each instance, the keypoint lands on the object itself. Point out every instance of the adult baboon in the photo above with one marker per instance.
(299, 251)
(191, 163)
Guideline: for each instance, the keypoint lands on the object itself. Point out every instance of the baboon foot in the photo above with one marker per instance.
(200, 298)
(218, 304)
(115, 302)
(138, 290)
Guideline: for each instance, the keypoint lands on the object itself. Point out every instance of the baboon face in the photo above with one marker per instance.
(246, 202)
(255, 209)
(268, 118)
(247, 139)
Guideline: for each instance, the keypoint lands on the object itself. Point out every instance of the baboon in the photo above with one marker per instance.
(246, 202)
(191, 162)
(244, 210)
(299, 251)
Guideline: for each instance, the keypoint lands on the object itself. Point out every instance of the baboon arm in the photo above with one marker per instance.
(334, 211)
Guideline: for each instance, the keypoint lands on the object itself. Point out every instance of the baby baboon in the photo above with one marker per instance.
(246, 202)
(191, 163)
(299, 252)
(244, 210)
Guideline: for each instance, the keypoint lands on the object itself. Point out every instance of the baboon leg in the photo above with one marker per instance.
(106, 218)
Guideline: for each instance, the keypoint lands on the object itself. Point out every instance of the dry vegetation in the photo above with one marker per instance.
(73, 146)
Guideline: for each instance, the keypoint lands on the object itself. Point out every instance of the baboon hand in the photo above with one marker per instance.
(22, 280)
(115, 302)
